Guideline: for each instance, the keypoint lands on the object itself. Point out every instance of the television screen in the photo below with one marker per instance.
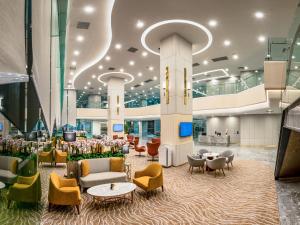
(69, 136)
(1, 126)
(185, 129)
(117, 127)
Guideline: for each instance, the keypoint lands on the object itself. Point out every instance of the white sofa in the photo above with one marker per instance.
(6, 175)
(100, 173)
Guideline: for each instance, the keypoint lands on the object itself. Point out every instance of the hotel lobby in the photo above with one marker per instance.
(149, 112)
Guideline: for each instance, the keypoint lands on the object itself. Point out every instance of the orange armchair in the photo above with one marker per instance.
(138, 148)
(63, 192)
(60, 156)
(45, 157)
(115, 137)
(155, 140)
(153, 149)
(150, 178)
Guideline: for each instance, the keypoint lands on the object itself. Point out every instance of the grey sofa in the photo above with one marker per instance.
(6, 174)
(100, 173)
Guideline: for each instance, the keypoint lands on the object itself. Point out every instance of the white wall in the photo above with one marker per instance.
(223, 124)
(260, 130)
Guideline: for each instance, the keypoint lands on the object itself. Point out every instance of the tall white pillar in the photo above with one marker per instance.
(115, 92)
(176, 95)
(69, 112)
(140, 129)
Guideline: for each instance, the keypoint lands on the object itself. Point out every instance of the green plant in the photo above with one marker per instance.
(94, 156)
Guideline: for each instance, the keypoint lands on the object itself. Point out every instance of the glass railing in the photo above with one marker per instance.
(278, 49)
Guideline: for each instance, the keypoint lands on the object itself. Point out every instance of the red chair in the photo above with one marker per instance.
(155, 140)
(115, 137)
(138, 148)
(153, 149)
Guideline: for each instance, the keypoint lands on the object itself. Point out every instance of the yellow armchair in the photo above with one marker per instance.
(150, 178)
(45, 157)
(60, 156)
(63, 192)
(26, 189)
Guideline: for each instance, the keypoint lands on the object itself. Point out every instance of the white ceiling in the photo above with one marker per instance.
(236, 22)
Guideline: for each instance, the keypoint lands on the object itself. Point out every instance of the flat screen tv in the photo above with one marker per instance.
(1, 126)
(69, 136)
(117, 127)
(185, 129)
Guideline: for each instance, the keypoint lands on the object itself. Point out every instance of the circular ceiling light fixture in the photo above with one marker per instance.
(118, 46)
(126, 76)
(107, 58)
(76, 52)
(93, 76)
(131, 63)
(88, 9)
(140, 74)
(212, 23)
(100, 67)
(261, 38)
(180, 21)
(144, 53)
(259, 15)
(79, 38)
(140, 24)
(227, 43)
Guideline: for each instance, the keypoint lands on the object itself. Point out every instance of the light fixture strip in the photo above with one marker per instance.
(167, 85)
(118, 104)
(185, 87)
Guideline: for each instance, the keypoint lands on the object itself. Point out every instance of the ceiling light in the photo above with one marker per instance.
(227, 42)
(121, 70)
(131, 63)
(155, 78)
(259, 15)
(151, 88)
(144, 53)
(151, 68)
(132, 88)
(107, 58)
(235, 56)
(261, 38)
(296, 67)
(76, 52)
(79, 38)
(212, 23)
(88, 83)
(71, 73)
(246, 67)
(143, 91)
(70, 81)
(205, 62)
(89, 9)
(73, 63)
(100, 67)
(93, 76)
(140, 24)
(140, 74)
(293, 57)
(126, 81)
(99, 88)
(256, 71)
(118, 46)
(142, 83)
(85, 87)
(298, 43)
(99, 92)
(226, 69)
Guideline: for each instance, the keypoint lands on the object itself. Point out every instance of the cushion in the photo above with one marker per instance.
(85, 168)
(99, 165)
(142, 181)
(14, 166)
(94, 179)
(116, 164)
(20, 186)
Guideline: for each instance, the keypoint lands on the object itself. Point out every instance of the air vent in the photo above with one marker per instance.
(111, 68)
(220, 59)
(83, 25)
(137, 85)
(132, 49)
(72, 67)
(196, 64)
(147, 81)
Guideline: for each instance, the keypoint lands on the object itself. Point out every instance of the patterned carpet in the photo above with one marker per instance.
(246, 195)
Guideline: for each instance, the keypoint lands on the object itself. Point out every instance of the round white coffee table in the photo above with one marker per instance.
(211, 154)
(112, 192)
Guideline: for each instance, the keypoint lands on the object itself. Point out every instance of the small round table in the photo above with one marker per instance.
(112, 192)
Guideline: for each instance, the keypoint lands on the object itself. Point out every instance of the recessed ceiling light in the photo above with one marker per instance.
(293, 57)
(140, 24)
(131, 62)
(121, 70)
(100, 67)
(71, 73)
(256, 71)
(298, 43)
(296, 67)
(246, 67)
(99, 92)
(80, 38)
(89, 9)
(142, 83)
(93, 76)
(104, 84)
(261, 38)
(151, 68)
(118, 46)
(151, 88)
(235, 56)
(205, 62)
(70, 81)
(227, 42)
(132, 88)
(88, 83)
(144, 53)
(140, 74)
(212, 23)
(73, 63)
(107, 58)
(99, 88)
(259, 15)
(155, 78)
(85, 87)
(126, 80)
(76, 52)
(143, 91)
(226, 69)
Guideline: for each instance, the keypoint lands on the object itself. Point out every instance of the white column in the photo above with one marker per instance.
(115, 92)
(176, 106)
(69, 112)
(140, 129)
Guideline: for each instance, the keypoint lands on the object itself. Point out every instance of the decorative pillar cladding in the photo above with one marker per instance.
(94, 101)
(69, 112)
(115, 93)
(176, 95)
